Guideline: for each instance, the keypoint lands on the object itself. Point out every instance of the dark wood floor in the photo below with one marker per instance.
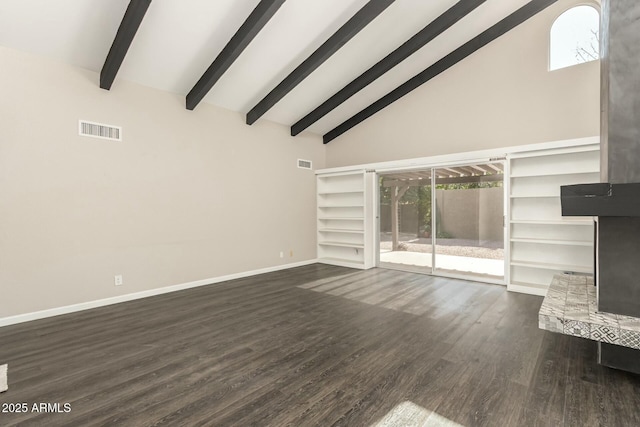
(315, 345)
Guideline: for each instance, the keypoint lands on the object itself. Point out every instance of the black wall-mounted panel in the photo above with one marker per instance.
(600, 199)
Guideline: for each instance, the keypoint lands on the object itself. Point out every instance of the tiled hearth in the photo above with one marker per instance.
(570, 308)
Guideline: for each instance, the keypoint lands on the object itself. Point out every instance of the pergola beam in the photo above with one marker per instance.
(466, 170)
(479, 169)
(486, 169)
(494, 167)
(451, 170)
(456, 180)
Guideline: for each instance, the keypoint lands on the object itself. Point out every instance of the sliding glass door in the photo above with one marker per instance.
(469, 212)
(446, 221)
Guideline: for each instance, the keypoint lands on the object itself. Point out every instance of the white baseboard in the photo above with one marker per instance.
(529, 290)
(27, 317)
(339, 263)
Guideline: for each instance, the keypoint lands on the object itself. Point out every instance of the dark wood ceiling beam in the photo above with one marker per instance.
(124, 36)
(470, 47)
(262, 13)
(352, 27)
(408, 48)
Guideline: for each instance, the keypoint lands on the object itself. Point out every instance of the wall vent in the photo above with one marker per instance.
(304, 164)
(100, 130)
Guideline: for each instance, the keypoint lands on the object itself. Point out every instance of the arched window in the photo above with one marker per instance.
(575, 37)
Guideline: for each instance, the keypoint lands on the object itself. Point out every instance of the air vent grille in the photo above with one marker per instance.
(304, 164)
(99, 130)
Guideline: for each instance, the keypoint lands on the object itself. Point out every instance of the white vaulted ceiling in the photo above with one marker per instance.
(178, 40)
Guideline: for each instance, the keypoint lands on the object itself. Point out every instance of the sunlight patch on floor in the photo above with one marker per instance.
(408, 414)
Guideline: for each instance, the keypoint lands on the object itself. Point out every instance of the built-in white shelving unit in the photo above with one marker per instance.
(345, 222)
(543, 242)
(539, 241)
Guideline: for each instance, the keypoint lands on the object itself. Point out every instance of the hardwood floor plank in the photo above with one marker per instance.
(314, 345)
(581, 394)
(371, 352)
(309, 339)
(399, 290)
(593, 384)
(392, 390)
(546, 395)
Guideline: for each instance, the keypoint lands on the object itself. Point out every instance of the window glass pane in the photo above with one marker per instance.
(575, 37)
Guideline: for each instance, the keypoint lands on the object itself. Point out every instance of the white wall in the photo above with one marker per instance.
(500, 96)
(187, 195)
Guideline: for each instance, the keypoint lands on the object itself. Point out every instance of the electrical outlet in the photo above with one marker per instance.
(291, 253)
(118, 280)
(281, 254)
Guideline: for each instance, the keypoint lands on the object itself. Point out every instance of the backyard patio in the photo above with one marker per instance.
(453, 255)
